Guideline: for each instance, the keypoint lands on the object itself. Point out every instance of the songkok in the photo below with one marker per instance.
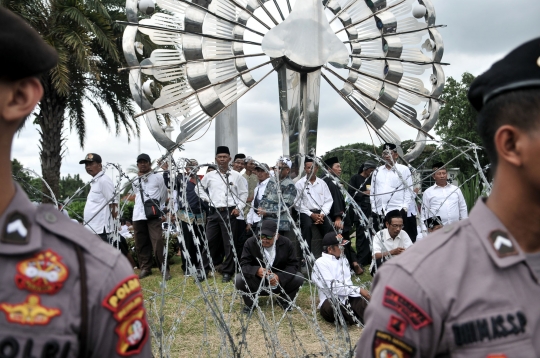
(91, 157)
(143, 156)
(437, 165)
(308, 160)
(24, 53)
(331, 239)
(222, 150)
(239, 156)
(390, 146)
(520, 69)
(432, 222)
(331, 161)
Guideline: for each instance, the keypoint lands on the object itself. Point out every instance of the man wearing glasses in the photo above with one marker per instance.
(389, 242)
(269, 258)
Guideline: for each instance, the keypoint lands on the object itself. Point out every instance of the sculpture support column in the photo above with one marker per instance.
(227, 129)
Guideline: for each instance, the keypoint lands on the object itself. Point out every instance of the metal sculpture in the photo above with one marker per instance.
(202, 63)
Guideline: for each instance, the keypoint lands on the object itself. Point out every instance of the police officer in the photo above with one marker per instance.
(486, 303)
(64, 292)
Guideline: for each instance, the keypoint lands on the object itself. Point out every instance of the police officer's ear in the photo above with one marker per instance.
(511, 144)
(18, 98)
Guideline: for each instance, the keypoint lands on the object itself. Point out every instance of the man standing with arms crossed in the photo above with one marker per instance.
(486, 303)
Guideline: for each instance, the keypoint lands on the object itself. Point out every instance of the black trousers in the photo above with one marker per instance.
(148, 240)
(306, 222)
(409, 224)
(286, 293)
(348, 251)
(219, 241)
(241, 237)
(358, 305)
(363, 251)
(188, 245)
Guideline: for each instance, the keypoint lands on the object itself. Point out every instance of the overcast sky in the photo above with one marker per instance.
(478, 33)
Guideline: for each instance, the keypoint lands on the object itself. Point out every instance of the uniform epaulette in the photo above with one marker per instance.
(58, 224)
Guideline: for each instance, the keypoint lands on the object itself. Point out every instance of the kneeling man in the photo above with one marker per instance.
(270, 258)
(332, 275)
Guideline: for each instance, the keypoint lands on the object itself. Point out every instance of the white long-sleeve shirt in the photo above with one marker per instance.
(333, 277)
(383, 242)
(252, 216)
(97, 213)
(444, 201)
(391, 189)
(314, 196)
(224, 190)
(153, 187)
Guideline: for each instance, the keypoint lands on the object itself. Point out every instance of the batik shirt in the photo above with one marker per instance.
(270, 201)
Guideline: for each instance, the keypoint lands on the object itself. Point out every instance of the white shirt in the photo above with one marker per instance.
(241, 215)
(220, 194)
(124, 231)
(97, 213)
(333, 277)
(444, 201)
(383, 242)
(153, 187)
(252, 216)
(388, 191)
(314, 196)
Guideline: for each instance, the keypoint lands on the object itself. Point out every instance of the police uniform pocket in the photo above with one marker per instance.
(521, 348)
(36, 343)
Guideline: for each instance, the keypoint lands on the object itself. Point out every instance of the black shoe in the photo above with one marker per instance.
(226, 278)
(144, 273)
(167, 275)
(201, 275)
(246, 309)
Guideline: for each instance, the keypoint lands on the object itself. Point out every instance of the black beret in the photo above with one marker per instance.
(437, 165)
(239, 156)
(519, 69)
(331, 161)
(222, 150)
(390, 146)
(24, 53)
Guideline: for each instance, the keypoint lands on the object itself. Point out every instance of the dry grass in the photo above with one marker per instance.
(207, 320)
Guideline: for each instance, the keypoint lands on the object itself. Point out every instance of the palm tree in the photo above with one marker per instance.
(88, 46)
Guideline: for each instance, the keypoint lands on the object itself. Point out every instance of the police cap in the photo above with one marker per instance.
(24, 53)
(520, 69)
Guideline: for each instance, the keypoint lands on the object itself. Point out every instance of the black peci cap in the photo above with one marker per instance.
(432, 222)
(390, 146)
(239, 156)
(24, 53)
(331, 161)
(91, 157)
(520, 69)
(223, 150)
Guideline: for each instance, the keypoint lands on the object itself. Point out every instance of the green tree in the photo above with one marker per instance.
(89, 55)
(457, 118)
(70, 184)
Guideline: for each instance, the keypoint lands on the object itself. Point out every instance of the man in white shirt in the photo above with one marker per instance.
(313, 202)
(443, 199)
(392, 189)
(242, 232)
(332, 275)
(101, 203)
(253, 217)
(148, 232)
(389, 242)
(227, 194)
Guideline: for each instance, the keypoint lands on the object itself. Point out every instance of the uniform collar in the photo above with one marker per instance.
(388, 237)
(20, 233)
(494, 236)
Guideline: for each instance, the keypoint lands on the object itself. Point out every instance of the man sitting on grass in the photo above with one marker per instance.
(268, 263)
(332, 275)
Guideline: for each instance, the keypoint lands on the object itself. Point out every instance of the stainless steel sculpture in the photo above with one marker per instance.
(378, 66)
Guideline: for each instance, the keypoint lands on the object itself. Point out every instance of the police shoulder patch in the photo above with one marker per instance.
(43, 273)
(414, 315)
(386, 345)
(122, 293)
(132, 333)
(397, 325)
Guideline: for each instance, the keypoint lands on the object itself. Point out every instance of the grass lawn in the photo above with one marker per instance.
(206, 320)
